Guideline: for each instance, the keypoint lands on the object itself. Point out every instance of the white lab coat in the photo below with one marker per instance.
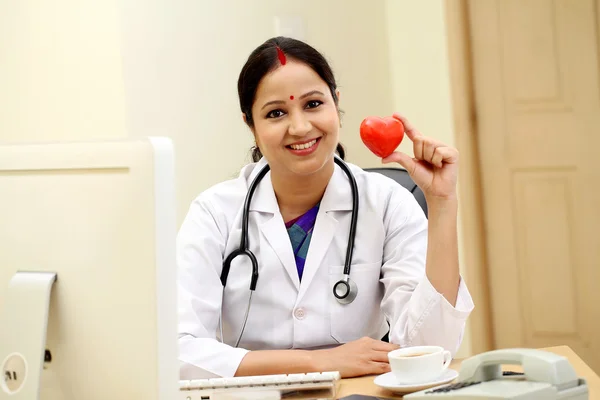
(388, 267)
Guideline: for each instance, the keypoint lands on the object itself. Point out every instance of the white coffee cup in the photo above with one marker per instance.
(419, 364)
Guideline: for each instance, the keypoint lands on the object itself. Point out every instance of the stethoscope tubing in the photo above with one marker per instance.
(349, 287)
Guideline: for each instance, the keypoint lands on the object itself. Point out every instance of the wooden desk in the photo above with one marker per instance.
(364, 385)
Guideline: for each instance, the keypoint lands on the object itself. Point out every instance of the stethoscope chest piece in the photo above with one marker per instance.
(345, 290)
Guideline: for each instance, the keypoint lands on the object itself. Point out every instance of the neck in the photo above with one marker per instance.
(298, 194)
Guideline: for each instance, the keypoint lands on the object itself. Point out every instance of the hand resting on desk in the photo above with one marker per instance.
(364, 356)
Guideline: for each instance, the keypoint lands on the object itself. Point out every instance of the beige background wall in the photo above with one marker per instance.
(60, 70)
(99, 70)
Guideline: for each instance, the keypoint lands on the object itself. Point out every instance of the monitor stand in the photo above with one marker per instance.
(23, 327)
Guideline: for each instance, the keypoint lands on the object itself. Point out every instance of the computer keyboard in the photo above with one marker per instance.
(202, 389)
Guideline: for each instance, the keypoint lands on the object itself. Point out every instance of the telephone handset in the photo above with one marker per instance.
(545, 376)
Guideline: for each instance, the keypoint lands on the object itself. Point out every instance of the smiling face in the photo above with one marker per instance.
(296, 121)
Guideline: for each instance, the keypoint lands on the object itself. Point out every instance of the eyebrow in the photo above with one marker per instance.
(312, 92)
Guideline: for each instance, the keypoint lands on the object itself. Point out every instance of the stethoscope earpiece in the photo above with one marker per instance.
(345, 290)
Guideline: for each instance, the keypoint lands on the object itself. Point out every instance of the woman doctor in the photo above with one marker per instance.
(405, 266)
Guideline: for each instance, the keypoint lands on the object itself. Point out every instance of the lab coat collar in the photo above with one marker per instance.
(337, 196)
(264, 199)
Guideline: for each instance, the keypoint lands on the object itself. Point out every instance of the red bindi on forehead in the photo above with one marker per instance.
(292, 97)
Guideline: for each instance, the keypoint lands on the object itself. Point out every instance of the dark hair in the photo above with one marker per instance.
(264, 59)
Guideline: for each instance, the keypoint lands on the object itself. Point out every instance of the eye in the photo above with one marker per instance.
(313, 104)
(275, 114)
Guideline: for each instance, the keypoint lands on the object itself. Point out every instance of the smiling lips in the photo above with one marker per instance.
(303, 145)
(304, 148)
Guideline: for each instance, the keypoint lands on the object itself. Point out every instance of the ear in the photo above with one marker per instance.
(246, 122)
(337, 93)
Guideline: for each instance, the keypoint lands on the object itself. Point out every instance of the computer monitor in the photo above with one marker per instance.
(87, 271)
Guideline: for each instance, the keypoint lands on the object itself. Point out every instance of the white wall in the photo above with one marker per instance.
(85, 69)
(60, 71)
(419, 66)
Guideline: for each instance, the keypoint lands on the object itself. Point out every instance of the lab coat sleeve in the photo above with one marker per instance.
(417, 313)
(200, 247)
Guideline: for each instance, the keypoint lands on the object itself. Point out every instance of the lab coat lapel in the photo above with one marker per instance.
(337, 197)
(277, 236)
(273, 228)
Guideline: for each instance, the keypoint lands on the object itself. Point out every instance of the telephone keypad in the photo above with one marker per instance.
(454, 386)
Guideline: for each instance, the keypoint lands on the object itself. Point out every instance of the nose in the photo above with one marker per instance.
(299, 124)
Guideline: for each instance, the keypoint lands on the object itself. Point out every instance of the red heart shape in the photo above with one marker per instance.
(381, 135)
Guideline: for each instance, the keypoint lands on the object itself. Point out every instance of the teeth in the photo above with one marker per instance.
(303, 146)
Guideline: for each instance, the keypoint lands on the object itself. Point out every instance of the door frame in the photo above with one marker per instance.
(469, 182)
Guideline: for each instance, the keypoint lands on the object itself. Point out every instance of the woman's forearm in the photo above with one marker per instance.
(268, 362)
(442, 248)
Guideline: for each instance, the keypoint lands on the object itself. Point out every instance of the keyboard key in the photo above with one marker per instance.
(315, 376)
(295, 378)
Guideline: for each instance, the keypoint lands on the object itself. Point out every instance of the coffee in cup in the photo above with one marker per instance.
(419, 364)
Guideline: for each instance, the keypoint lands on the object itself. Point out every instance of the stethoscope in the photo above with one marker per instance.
(344, 290)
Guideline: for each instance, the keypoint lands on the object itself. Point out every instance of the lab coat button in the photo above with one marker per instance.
(299, 313)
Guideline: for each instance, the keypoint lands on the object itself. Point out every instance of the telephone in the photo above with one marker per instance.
(545, 376)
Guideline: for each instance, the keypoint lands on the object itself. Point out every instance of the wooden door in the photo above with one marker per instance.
(536, 83)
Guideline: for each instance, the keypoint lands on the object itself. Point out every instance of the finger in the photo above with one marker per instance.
(409, 129)
(437, 157)
(381, 368)
(380, 345)
(418, 147)
(380, 356)
(404, 160)
(429, 147)
(448, 155)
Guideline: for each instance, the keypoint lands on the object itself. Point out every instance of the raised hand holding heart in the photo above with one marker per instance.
(434, 167)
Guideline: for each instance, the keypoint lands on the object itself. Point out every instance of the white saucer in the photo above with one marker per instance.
(388, 381)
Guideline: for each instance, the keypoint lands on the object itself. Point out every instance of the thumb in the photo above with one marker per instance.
(404, 160)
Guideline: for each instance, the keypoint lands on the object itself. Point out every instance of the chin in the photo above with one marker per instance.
(309, 166)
